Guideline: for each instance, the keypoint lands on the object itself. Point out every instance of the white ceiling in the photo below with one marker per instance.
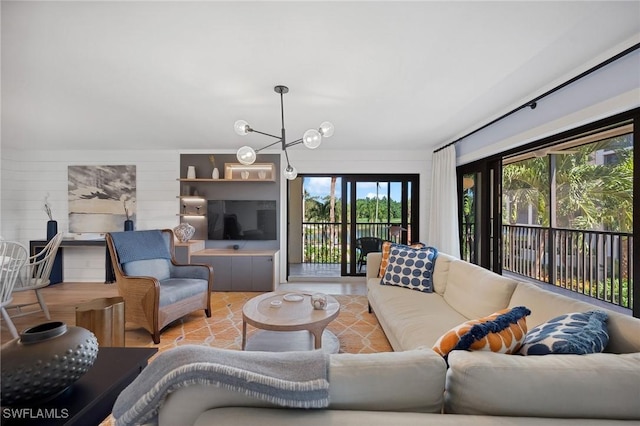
(177, 75)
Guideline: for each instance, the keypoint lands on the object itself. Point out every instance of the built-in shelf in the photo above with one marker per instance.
(250, 182)
(257, 172)
(199, 180)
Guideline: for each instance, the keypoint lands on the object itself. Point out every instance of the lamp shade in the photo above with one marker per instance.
(246, 155)
(290, 172)
(241, 127)
(326, 129)
(312, 139)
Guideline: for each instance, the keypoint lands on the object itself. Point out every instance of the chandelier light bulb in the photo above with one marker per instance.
(326, 129)
(246, 155)
(241, 127)
(312, 139)
(290, 172)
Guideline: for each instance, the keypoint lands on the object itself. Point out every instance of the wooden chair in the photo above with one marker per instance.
(36, 275)
(366, 245)
(13, 256)
(156, 289)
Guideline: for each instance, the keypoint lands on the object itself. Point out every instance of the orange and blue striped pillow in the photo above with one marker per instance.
(503, 332)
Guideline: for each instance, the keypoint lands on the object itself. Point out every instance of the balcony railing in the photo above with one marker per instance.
(594, 263)
(322, 240)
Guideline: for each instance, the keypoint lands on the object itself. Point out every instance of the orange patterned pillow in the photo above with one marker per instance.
(386, 249)
(503, 332)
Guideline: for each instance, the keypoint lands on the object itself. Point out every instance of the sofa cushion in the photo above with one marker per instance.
(386, 249)
(598, 386)
(410, 268)
(159, 269)
(575, 333)
(477, 292)
(393, 381)
(441, 272)
(502, 331)
(411, 319)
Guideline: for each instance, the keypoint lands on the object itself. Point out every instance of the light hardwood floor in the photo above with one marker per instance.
(63, 298)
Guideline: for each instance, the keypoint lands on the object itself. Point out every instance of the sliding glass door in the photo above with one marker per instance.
(337, 212)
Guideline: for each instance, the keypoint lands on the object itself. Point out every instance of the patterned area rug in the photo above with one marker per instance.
(357, 330)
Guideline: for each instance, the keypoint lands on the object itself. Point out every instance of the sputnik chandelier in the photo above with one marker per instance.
(312, 138)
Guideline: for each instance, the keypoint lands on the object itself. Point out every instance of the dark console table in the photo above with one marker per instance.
(57, 275)
(88, 401)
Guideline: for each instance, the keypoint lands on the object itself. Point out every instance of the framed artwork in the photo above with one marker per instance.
(101, 198)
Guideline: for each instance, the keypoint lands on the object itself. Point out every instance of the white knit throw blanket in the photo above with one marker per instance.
(288, 379)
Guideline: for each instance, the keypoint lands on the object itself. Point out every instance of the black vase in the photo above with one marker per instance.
(52, 229)
(128, 225)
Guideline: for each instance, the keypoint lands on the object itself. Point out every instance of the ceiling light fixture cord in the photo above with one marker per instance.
(312, 138)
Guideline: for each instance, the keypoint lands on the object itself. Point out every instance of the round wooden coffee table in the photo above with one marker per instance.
(294, 314)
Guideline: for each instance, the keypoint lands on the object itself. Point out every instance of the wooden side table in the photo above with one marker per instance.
(104, 317)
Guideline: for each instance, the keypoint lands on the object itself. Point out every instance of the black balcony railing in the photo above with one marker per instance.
(597, 264)
(322, 240)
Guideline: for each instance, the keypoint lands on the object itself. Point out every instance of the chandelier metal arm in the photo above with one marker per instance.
(266, 134)
(270, 145)
(286, 154)
(296, 142)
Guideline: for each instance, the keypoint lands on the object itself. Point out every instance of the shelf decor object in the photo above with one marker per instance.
(52, 225)
(184, 232)
(215, 174)
(312, 138)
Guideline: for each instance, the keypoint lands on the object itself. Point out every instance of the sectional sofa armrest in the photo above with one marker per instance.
(410, 381)
(604, 386)
(373, 264)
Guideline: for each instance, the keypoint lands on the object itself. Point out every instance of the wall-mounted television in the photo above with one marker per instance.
(242, 220)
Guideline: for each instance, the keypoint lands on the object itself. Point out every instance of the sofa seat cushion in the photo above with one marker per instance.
(575, 333)
(411, 319)
(173, 290)
(476, 292)
(599, 386)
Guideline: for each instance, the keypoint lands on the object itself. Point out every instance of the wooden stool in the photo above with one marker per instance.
(104, 317)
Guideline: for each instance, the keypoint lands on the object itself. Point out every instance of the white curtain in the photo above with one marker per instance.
(443, 216)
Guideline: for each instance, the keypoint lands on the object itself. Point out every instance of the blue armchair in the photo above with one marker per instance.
(156, 289)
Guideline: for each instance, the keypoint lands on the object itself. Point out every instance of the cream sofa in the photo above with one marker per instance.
(413, 385)
(605, 386)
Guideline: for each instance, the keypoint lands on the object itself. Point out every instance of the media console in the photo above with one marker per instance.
(240, 270)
